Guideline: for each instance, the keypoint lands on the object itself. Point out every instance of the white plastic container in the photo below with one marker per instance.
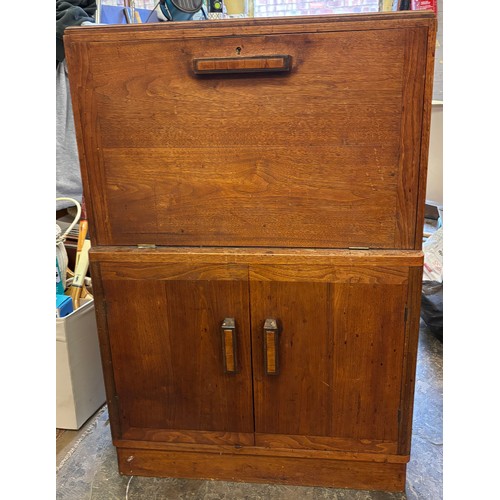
(79, 384)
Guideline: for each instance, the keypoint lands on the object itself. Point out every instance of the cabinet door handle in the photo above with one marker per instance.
(271, 336)
(229, 351)
(255, 64)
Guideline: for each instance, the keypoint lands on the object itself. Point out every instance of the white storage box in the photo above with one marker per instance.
(80, 385)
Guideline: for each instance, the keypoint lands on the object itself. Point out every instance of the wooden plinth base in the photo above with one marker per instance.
(300, 471)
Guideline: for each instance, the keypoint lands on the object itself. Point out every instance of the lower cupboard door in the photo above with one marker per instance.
(328, 356)
(179, 377)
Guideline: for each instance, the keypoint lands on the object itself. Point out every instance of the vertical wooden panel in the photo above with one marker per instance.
(168, 354)
(89, 136)
(413, 82)
(105, 348)
(341, 353)
(410, 359)
(298, 399)
(367, 360)
(426, 132)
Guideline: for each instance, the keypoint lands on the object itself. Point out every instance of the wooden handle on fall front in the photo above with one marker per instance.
(271, 359)
(256, 64)
(229, 351)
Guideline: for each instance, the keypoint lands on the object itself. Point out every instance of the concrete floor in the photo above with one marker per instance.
(87, 467)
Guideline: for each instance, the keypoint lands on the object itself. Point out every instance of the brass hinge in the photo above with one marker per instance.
(146, 245)
(359, 248)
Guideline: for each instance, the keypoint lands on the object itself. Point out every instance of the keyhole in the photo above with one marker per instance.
(238, 50)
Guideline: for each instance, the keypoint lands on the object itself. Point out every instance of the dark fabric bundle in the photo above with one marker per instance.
(71, 13)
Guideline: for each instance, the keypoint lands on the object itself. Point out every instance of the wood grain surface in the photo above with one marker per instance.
(341, 354)
(168, 356)
(263, 469)
(324, 156)
(410, 359)
(344, 449)
(341, 350)
(368, 350)
(313, 261)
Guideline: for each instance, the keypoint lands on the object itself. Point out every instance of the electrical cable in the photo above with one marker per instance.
(128, 486)
(61, 253)
(154, 8)
(61, 258)
(61, 238)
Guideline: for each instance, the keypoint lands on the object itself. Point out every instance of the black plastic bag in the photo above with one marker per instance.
(432, 307)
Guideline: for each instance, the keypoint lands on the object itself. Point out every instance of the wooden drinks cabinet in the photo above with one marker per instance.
(255, 191)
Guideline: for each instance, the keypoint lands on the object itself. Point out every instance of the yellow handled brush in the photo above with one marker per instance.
(81, 268)
(82, 235)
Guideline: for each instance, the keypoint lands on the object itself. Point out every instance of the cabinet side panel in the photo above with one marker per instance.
(88, 138)
(426, 132)
(410, 359)
(105, 347)
(410, 137)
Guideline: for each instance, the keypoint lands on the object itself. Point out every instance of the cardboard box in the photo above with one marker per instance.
(424, 5)
(79, 383)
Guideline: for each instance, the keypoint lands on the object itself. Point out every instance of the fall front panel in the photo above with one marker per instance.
(325, 155)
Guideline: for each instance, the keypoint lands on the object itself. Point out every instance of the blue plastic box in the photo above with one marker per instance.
(64, 306)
